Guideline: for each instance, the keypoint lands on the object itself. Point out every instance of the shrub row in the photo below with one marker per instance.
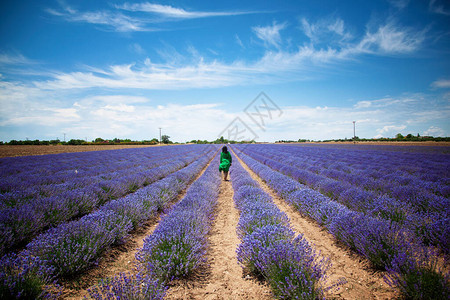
(413, 205)
(72, 247)
(269, 248)
(411, 266)
(175, 249)
(74, 197)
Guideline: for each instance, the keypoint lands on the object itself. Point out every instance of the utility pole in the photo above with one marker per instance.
(64, 137)
(159, 135)
(354, 132)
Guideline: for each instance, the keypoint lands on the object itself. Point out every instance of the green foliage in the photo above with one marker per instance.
(165, 139)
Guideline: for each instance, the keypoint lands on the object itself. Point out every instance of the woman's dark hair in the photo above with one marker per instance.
(224, 149)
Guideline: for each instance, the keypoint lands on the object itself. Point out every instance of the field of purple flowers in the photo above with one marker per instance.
(59, 214)
(40, 192)
(392, 207)
(69, 247)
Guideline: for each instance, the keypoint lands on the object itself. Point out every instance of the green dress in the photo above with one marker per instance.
(225, 161)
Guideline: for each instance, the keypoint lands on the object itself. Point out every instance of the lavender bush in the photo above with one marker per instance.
(26, 277)
(388, 245)
(178, 245)
(128, 286)
(289, 265)
(41, 192)
(381, 183)
(419, 277)
(74, 246)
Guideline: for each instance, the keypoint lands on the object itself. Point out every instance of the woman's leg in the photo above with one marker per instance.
(225, 175)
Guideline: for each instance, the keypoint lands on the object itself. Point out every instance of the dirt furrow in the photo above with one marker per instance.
(118, 259)
(223, 277)
(361, 281)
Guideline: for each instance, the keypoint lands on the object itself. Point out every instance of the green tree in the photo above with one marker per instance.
(165, 139)
(399, 136)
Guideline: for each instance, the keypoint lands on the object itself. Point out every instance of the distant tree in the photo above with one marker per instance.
(99, 140)
(399, 136)
(75, 142)
(165, 139)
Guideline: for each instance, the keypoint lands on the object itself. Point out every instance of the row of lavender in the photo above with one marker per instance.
(74, 246)
(175, 249)
(371, 169)
(411, 266)
(23, 179)
(383, 189)
(83, 191)
(269, 247)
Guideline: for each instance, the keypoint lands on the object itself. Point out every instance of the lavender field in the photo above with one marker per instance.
(60, 215)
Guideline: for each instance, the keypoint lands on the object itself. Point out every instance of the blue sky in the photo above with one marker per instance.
(197, 69)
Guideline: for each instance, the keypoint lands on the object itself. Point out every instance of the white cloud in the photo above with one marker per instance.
(435, 131)
(136, 117)
(391, 39)
(136, 48)
(390, 129)
(14, 59)
(400, 4)
(441, 83)
(438, 7)
(175, 12)
(239, 41)
(329, 30)
(116, 20)
(270, 35)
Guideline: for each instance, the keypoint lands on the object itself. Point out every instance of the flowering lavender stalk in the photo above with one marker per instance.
(419, 277)
(128, 286)
(26, 277)
(380, 183)
(178, 244)
(74, 246)
(388, 245)
(289, 265)
(41, 192)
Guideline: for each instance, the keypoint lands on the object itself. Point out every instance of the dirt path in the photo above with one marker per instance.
(362, 282)
(23, 150)
(223, 277)
(118, 259)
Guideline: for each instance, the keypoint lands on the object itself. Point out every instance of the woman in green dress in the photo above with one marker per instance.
(225, 162)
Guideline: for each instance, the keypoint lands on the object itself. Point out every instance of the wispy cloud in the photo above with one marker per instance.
(438, 7)
(14, 59)
(270, 35)
(329, 30)
(168, 11)
(113, 20)
(400, 4)
(239, 41)
(195, 70)
(126, 115)
(441, 83)
(392, 38)
(137, 48)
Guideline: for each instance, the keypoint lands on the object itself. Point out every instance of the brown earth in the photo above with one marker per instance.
(22, 150)
(361, 282)
(118, 259)
(223, 278)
